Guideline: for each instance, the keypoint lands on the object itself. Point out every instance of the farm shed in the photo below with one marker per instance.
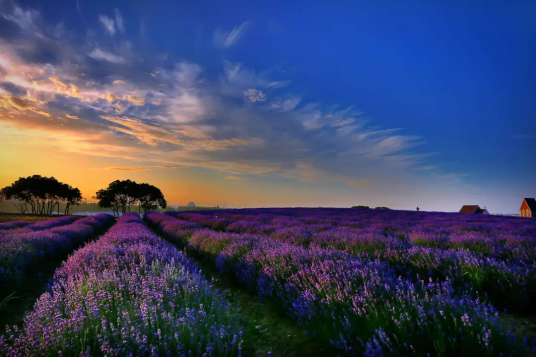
(473, 209)
(528, 208)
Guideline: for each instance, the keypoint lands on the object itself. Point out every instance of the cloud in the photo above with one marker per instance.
(285, 105)
(168, 167)
(119, 21)
(254, 95)
(12, 104)
(40, 112)
(126, 168)
(233, 178)
(25, 19)
(8, 102)
(150, 133)
(227, 39)
(135, 100)
(143, 168)
(184, 115)
(69, 90)
(99, 54)
(108, 24)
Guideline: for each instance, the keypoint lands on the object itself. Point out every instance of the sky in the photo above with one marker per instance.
(275, 103)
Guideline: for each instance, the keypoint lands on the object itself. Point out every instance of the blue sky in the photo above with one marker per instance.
(382, 103)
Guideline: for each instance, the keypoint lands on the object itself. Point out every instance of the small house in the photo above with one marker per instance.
(475, 209)
(528, 208)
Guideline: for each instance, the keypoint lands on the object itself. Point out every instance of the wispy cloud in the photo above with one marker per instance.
(183, 116)
(254, 95)
(233, 178)
(126, 168)
(108, 24)
(285, 105)
(99, 54)
(119, 21)
(24, 18)
(227, 39)
(143, 168)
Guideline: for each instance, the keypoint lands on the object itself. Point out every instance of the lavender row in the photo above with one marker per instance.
(360, 304)
(493, 239)
(13, 224)
(20, 250)
(400, 221)
(38, 226)
(506, 273)
(128, 294)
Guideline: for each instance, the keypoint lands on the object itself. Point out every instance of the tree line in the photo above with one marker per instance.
(43, 195)
(367, 207)
(123, 196)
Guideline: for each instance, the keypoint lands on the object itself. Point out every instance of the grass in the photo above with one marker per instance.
(8, 217)
(267, 328)
(24, 296)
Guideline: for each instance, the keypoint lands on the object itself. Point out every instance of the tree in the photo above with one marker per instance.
(150, 197)
(382, 208)
(71, 196)
(41, 195)
(121, 196)
(418, 209)
(361, 207)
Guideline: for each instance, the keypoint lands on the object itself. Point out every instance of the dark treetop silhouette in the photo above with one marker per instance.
(41, 195)
(121, 196)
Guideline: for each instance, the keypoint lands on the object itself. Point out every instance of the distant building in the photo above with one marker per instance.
(528, 208)
(473, 209)
(190, 205)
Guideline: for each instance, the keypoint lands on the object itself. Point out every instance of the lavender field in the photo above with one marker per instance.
(377, 283)
(356, 282)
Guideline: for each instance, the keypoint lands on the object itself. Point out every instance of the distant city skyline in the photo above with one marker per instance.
(274, 104)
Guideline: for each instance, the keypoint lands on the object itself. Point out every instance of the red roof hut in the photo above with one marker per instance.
(528, 208)
(473, 209)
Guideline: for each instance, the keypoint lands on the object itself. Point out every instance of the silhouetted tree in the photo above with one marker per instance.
(361, 207)
(150, 197)
(71, 196)
(121, 196)
(418, 209)
(41, 195)
(382, 208)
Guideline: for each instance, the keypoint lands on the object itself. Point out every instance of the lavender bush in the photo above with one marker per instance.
(44, 240)
(13, 224)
